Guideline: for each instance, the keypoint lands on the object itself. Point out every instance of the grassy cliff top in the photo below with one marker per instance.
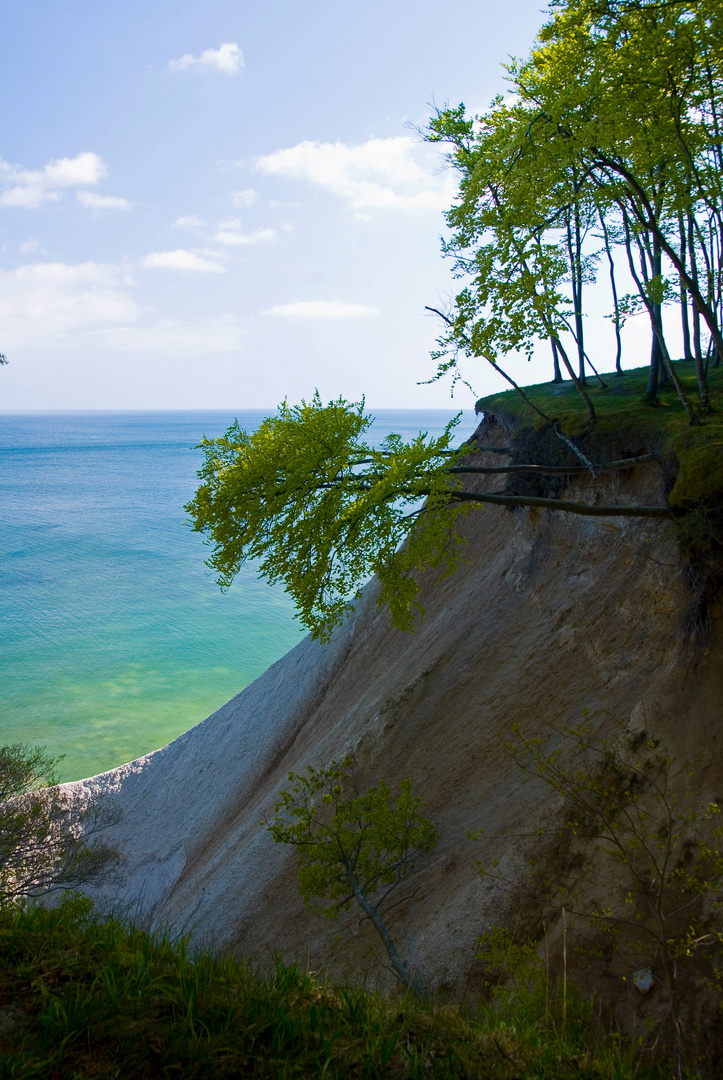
(627, 425)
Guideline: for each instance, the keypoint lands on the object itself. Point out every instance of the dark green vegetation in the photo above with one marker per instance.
(354, 848)
(628, 424)
(85, 1000)
(48, 838)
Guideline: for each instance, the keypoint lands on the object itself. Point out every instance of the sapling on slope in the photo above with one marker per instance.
(354, 847)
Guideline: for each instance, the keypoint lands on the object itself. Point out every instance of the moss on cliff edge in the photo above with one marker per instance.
(626, 426)
(694, 454)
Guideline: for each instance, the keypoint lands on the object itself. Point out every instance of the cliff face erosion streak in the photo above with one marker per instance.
(551, 614)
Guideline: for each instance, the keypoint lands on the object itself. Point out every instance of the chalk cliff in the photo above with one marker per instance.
(549, 615)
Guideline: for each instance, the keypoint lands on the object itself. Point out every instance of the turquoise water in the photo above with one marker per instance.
(115, 637)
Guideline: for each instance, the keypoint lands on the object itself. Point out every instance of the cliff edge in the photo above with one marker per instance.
(550, 615)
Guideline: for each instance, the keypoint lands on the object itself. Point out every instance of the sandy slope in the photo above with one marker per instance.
(551, 614)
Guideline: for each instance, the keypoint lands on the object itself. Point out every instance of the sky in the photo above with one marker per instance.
(223, 204)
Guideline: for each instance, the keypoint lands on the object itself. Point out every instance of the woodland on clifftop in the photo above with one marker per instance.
(601, 170)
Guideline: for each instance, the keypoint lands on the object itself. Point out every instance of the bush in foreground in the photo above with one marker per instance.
(83, 999)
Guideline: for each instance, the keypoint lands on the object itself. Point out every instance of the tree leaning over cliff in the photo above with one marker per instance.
(315, 506)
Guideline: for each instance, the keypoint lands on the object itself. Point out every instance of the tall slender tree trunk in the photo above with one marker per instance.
(557, 374)
(613, 287)
(658, 344)
(573, 254)
(684, 301)
(701, 369)
(651, 391)
(579, 386)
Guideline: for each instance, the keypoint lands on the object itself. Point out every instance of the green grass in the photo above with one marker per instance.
(625, 421)
(84, 999)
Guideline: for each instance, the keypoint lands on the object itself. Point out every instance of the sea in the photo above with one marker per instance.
(115, 635)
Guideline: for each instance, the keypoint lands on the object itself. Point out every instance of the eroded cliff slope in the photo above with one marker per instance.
(551, 614)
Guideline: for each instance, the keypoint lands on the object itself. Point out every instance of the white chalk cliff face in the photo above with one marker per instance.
(551, 614)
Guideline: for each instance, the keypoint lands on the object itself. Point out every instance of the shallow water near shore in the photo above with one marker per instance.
(116, 638)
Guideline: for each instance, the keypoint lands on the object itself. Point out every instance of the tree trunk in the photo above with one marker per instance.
(578, 385)
(684, 314)
(557, 377)
(701, 369)
(400, 968)
(639, 203)
(613, 287)
(576, 287)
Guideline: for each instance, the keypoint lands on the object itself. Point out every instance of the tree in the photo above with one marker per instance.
(641, 851)
(321, 510)
(354, 848)
(501, 240)
(45, 831)
(615, 114)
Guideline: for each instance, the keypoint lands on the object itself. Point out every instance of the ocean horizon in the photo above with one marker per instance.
(117, 638)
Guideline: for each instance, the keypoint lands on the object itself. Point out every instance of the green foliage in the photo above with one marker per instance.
(643, 859)
(353, 847)
(614, 119)
(85, 1000)
(45, 832)
(315, 506)
(340, 838)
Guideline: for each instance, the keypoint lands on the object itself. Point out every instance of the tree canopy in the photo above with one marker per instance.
(353, 848)
(609, 143)
(311, 503)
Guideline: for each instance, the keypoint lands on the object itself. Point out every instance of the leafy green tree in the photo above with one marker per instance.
(46, 833)
(616, 115)
(501, 241)
(322, 510)
(314, 505)
(632, 93)
(354, 848)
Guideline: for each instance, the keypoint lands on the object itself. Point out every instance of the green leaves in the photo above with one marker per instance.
(321, 510)
(342, 839)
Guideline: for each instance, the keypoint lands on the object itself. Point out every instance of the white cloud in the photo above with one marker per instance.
(229, 232)
(46, 302)
(380, 173)
(90, 307)
(188, 222)
(29, 247)
(181, 260)
(29, 188)
(228, 58)
(218, 335)
(321, 309)
(93, 201)
(244, 198)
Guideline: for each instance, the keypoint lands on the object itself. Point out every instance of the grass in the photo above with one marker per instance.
(626, 422)
(86, 999)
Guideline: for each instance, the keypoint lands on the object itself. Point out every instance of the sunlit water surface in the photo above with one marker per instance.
(115, 637)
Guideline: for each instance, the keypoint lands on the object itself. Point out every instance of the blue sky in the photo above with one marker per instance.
(220, 204)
